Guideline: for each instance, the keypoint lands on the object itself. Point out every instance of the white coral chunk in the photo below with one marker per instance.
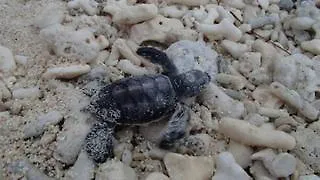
(122, 13)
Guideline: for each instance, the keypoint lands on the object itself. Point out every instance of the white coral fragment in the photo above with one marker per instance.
(235, 49)
(234, 82)
(21, 93)
(221, 103)
(246, 133)
(224, 30)
(173, 11)
(293, 99)
(161, 29)
(74, 44)
(122, 13)
(66, 72)
(128, 67)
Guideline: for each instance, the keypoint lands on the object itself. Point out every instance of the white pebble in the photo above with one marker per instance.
(21, 93)
(7, 62)
(241, 153)
(22, 60)
(227, 168)
(66, 72)
(264, 3)
(302, 23)
(38, 126)
(188, 167)
(279, 165)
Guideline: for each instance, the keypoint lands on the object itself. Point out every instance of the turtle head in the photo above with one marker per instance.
(191, 83)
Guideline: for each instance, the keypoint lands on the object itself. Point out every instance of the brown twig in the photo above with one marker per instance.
(261, 37)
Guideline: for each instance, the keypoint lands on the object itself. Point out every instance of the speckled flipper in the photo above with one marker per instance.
(99, 142)
(176, 127)
(158, 57)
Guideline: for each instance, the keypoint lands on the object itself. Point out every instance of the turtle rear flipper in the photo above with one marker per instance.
(176, 127)
(99, 142)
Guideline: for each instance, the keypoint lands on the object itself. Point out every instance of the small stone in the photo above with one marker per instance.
(188, 167)
(157, 176)
(115, 170)
(22, 93)
(7, 62)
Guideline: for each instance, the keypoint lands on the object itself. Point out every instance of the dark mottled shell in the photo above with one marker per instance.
(136, 100)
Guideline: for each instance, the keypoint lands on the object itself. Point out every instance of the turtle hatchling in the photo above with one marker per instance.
(143, 99)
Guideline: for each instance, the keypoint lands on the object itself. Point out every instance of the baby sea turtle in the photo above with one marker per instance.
(143, 99)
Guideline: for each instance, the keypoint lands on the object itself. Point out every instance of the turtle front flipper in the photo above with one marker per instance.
(99, 142)
(176, 127)
(158, 57)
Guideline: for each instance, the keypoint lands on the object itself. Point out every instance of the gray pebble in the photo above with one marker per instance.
(286, 4)
(25, 168)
